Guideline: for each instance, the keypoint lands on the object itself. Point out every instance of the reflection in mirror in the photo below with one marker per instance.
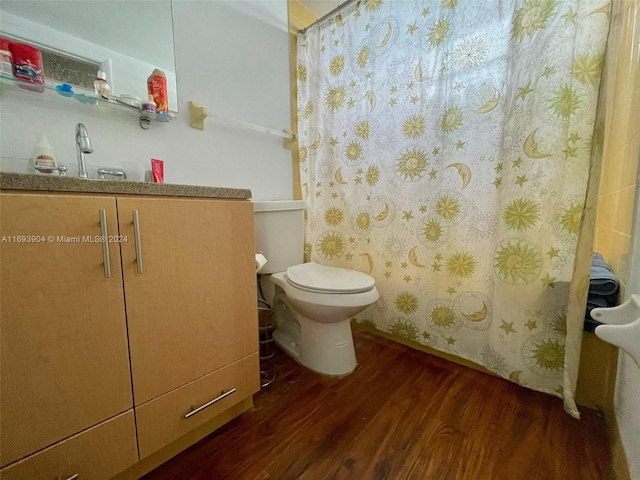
(125, 39)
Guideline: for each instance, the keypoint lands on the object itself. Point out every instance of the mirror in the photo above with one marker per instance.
(127, 39)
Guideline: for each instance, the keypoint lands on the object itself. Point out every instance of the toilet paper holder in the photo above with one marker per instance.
(621, 326)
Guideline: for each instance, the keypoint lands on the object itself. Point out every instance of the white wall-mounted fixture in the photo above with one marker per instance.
(198, 113)
(622, 326)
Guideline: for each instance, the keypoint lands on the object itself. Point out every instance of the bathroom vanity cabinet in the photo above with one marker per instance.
(64, 363)
(190, 311)
(110, 349)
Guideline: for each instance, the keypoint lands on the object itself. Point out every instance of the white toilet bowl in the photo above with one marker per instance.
(312, 307)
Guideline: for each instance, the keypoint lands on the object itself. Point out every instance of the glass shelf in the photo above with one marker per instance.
(84, 102)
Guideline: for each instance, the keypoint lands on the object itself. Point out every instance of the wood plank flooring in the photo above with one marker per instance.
(403, 414)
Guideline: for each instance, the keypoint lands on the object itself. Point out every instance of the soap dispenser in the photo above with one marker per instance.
(43, 155)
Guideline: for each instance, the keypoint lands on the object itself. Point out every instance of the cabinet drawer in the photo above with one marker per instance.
(162, 420)
(98, 453)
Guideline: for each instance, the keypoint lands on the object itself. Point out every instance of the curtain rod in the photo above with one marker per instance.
(333, 12)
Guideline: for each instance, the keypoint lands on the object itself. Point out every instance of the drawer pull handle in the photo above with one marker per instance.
(222, 395)
(136, 236)
(72, 477)
(105, 243)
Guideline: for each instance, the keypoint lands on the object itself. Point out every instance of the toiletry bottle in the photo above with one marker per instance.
(27, 66)
(101, 87)
(157, 88)
(43, 154)
(157, 167)
(6, 59)
(149, 106)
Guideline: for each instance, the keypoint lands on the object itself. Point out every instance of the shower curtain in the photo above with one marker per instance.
(445, 149)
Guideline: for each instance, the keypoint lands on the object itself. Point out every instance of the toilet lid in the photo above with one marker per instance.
(320, 278)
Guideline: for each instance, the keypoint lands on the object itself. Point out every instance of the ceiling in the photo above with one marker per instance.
(321, 7)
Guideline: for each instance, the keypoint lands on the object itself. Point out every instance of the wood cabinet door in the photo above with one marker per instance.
(192, 308)
(64, 358)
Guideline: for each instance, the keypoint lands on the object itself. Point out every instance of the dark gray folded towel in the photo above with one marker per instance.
(603, 281)
(596, 301)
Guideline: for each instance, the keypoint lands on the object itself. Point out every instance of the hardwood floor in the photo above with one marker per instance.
(402, 414)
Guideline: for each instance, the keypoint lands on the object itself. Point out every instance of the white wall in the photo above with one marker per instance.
(234, 64)
(627, 397)
(627, 404)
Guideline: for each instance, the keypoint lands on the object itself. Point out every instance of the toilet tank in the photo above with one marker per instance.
(279, 232)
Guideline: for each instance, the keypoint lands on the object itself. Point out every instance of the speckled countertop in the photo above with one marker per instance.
(48, 183)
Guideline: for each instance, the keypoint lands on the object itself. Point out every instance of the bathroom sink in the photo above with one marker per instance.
(97, 173)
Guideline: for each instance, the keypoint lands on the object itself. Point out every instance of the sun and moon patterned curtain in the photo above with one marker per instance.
(445, 149)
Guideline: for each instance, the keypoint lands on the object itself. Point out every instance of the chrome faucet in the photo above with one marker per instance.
(114, 172)
(83, 145)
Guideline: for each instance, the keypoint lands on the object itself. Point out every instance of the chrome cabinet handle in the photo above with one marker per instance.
(222, 395)
(105, 243)
(136, 236)
(72, 477)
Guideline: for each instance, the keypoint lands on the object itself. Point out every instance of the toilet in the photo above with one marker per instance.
(313, 303)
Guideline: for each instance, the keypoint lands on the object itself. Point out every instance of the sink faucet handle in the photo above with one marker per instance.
(115, 172)
(47, 169)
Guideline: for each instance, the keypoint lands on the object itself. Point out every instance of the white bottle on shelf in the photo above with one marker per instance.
(101, 87)
(43, 154)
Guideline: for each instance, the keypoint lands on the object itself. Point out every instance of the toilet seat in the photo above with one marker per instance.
(313, 277)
